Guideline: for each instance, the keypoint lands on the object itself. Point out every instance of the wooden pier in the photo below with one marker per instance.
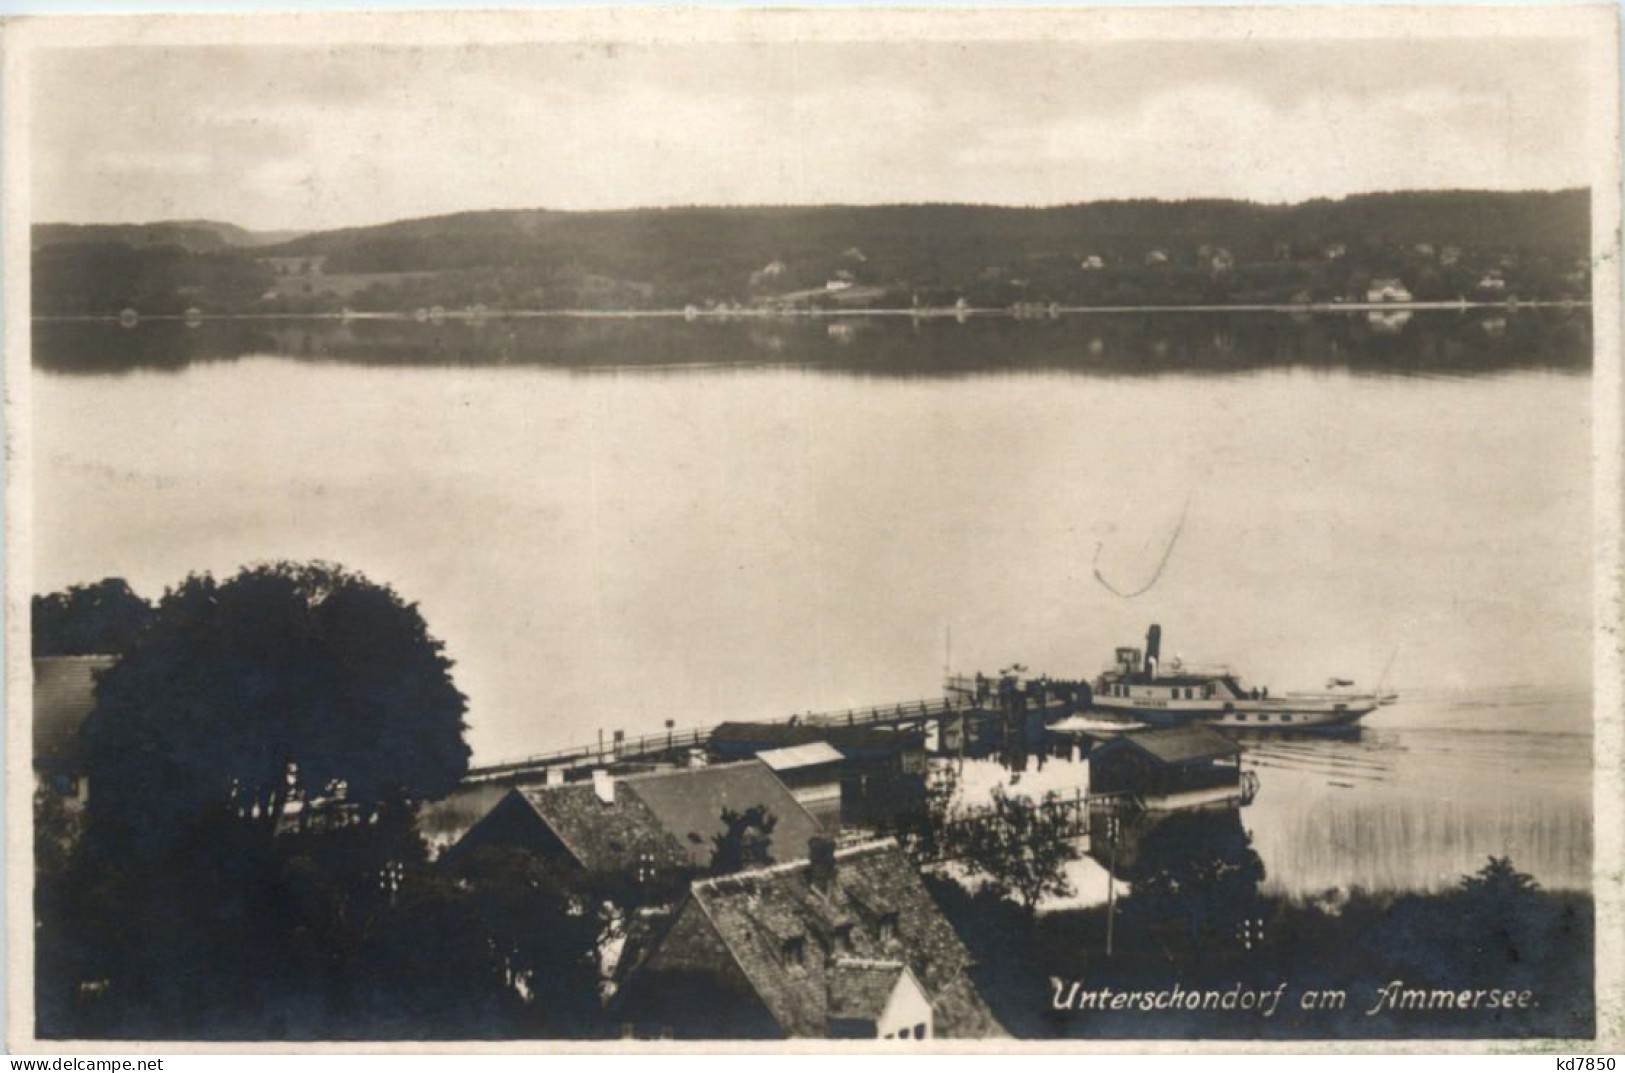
(673, 744)
(1001, 708)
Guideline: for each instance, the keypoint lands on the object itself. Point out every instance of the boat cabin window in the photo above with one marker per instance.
(1242, 716)
(1262, 718)
(1286, 719)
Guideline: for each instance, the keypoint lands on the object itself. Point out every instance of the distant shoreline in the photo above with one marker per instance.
(937, 313)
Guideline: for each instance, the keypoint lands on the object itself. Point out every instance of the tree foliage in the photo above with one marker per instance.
(1021, 849)
(1200, 868)
(104, 618)
(543, 931)
(284, 682)
(990, 254)
(183, 908)
(745, 840)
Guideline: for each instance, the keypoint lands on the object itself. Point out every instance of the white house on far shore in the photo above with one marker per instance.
(1387, 290)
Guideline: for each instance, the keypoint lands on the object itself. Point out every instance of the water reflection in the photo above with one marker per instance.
(1439, 343)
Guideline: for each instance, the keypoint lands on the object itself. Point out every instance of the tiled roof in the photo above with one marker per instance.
(859, 990)
(799, 756)
(602, 837)
(671, 816)
(687, 804)
(64, 694)
(875, 908)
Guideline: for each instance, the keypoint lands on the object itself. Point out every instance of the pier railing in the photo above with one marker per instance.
(664, 743)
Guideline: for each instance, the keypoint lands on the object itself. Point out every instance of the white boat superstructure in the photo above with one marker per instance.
(1143, 688)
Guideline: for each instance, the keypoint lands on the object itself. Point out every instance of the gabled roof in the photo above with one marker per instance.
(1174, 745)
(64, 694)
(800, 756)
(601, 837)
(687, 804)
(860, 989)
(875, 908)
(670, 817)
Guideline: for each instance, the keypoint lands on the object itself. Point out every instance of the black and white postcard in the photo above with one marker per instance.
(878, 530)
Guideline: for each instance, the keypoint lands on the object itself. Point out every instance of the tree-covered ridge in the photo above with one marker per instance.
(1442, 245)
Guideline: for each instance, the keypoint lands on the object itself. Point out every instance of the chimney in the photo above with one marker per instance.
(1153, 651)
(821, 862)
(603, 786)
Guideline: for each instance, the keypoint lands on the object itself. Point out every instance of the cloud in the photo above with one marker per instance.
(303, 137)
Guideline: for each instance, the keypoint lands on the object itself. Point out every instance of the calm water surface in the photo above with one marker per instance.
(615, 524)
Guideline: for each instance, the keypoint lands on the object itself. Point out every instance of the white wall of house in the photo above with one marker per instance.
(908, 1011)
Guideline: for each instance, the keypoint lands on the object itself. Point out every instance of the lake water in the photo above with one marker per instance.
(616, 523)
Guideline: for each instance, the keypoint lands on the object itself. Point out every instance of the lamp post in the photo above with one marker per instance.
(1111, 877)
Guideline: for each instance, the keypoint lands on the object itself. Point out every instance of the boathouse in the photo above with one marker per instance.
(847, 943)
(882, 770)
(812, 772)
(667, 820)
(1170, 768)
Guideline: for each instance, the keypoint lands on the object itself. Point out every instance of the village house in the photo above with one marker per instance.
(1335, 251)
(812, 773)
(771, 271)
(847, 943)
(1155, 258)
(882, 770)
(1493, 282)
(663, 821)
(1216, 258)
(1092, 263)
(64, 695)
(1387, 290)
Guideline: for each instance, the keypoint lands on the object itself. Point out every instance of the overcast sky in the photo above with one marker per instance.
(283, 137)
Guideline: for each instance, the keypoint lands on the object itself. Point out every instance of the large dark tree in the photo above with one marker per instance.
(541, 930)
(1198, 867)
(284, 682)
(105, 618)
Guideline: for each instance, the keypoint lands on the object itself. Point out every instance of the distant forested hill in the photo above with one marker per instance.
(199, 236)
(1442, 245)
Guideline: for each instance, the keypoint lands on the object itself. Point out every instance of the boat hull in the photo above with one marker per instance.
(1244, 715)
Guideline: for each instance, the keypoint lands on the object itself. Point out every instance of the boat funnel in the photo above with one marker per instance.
(1153, 650)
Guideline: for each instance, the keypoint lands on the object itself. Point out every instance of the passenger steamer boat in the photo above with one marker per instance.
(1172, 695)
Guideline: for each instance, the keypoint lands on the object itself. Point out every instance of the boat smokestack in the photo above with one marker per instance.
(1153, 650)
